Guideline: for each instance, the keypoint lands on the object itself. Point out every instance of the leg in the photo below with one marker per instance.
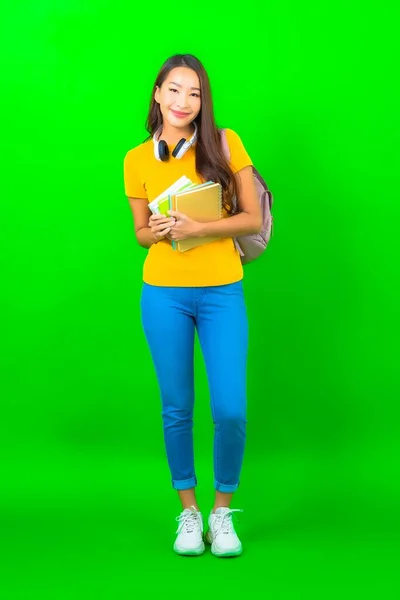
(171, 340)
(188, 498)
(223, 334)
(222, 499)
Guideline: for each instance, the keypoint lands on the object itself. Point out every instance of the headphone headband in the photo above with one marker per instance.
(161, 151)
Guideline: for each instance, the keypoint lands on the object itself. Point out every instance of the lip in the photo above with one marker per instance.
(179, 114)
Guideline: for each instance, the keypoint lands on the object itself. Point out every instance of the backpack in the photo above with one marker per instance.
(251, 246)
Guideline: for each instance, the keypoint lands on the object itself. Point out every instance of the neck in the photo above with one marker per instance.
(172, 135)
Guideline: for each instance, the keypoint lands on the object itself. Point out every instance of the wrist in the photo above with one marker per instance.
(200, 230)
(153, 238)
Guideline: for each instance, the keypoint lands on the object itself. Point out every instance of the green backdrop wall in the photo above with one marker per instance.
(86, 502)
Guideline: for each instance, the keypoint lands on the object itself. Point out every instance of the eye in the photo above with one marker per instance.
(172, 90)
(197, 95)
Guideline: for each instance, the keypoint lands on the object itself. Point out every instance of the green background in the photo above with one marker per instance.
(86, 504)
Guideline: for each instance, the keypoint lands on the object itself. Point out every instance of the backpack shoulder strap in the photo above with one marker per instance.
(225, 145)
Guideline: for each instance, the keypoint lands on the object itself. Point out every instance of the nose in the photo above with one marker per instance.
(182, 101)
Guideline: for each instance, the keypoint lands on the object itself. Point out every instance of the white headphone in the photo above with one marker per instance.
(161, 150)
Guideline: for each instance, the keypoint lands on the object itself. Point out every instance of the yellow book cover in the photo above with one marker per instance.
(203, 204)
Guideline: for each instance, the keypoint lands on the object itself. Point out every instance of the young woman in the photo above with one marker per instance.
(198, 289)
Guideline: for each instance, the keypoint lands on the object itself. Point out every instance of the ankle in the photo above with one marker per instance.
(219, 506)
(190, 506)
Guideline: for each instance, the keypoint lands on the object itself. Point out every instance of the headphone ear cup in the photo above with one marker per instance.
(163, 150)
(179, 145)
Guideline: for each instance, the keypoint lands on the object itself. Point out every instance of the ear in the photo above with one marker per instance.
(157, 95)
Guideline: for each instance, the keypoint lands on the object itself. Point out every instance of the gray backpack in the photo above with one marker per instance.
(252, 246)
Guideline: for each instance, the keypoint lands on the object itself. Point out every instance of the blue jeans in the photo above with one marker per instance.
(170, 316)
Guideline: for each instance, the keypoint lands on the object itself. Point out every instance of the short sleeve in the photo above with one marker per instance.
(239, 156)
(134, 187)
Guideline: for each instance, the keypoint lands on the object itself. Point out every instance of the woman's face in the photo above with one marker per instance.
(179, 97)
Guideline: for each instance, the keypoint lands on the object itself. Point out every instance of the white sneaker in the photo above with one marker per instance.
(221, 534)
(190, 533)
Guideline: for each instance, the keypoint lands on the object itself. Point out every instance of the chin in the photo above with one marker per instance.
(179, 124)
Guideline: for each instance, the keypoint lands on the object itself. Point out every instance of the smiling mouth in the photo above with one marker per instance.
(180, 114)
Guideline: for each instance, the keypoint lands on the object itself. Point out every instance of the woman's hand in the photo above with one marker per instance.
(160, 226)
(184, 227)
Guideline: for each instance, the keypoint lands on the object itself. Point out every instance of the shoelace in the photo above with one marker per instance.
(223, 522)
(188, 520)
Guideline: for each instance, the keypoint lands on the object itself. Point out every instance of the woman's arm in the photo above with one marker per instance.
(146, 235)
(249, 220)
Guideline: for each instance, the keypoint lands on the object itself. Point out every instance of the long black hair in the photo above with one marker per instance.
(211, 163)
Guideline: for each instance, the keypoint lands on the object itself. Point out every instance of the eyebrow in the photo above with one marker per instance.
(179, 85)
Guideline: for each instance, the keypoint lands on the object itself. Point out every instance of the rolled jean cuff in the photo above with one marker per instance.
(184, 484)
(222, 487)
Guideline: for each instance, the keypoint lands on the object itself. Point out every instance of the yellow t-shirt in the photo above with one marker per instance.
(216, 263)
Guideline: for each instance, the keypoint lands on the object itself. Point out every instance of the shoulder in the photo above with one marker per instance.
(232, 136)
(231, 133)
(239, 156)
(138, 153)
(234, 140)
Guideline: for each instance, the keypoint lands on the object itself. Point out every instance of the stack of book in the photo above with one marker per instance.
(201, 202)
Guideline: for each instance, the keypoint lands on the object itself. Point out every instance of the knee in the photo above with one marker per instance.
(231, 419)
(174, 415)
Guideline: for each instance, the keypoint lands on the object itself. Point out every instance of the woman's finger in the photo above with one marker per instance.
(161, 218)
(162, 226)
(154, 223)
(161, 234)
